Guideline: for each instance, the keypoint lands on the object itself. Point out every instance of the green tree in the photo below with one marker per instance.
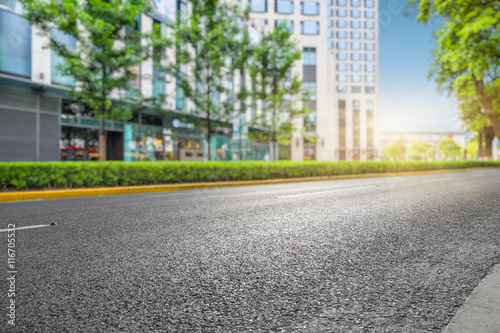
(203, 41)
(450, 149)
(421, 151)
(475, 120)
(273, 83)
(472, 150)
(467, 49)
(241, 53)
(110, 48)
(397, 150)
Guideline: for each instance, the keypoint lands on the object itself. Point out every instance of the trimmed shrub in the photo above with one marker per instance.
(29, 175)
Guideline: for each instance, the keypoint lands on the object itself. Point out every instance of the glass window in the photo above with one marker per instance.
(310, 8)
(356, 89)
(341, 24)
(180, 98)
(369, 57)
(355, 46)
(355, 24)
(310, 122)
(330, 12)
(355, 67)
(284, 6)
(159, 77)
(355, 105)
(369, 3)
(15, 44)
(369, 78)
(342, 89)
(310, 88)
(369, 25)
(341, 78)
(182, 10)
(259, 6)
(263, 22)
(370, 46)
(329, 23)
(309, 56)
(341, 12)
(355, 35)
(330, 33)
(355, 56)
(329, 2)
(341, 3)
(330, 45)
(369, 14)
(310, 27)
(342, 67)
(370, 89)
(369, 105)
(355, 13)
(369, 35)
(57, 75)
(342, 34)
(356, 78)
(370, 68)
(341, 56)
(287, 23)
(355, 3)
(341, 45)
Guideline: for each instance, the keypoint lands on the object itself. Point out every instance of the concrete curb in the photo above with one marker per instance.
(88, 192)
(481, 311)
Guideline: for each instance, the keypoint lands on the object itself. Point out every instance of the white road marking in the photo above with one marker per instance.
(345, 189)
(28, 227)
(433, 180)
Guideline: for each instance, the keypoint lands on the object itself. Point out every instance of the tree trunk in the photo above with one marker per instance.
(102, 141)
(241, 152)
(489, 135)
(242, 103)
(209, 137)
(487, 103)
(480, 149)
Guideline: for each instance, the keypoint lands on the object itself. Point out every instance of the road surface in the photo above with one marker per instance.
(397, 254)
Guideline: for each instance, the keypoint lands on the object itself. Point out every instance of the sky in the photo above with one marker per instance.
(408, 100)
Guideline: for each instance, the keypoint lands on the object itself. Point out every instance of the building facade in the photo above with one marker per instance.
(40, 122)
(339, 67)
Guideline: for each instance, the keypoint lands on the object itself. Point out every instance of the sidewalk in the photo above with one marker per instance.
(481, 311)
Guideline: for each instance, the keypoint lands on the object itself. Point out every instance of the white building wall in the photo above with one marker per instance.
(40, 57)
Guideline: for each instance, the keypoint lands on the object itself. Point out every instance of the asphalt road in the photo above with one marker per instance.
(397, 254)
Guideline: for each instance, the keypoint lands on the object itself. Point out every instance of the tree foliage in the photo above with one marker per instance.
(450, 149)
(397, 150)
(421, 151)
(467, 56)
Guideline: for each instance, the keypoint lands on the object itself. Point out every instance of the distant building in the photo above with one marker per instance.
(339, 67)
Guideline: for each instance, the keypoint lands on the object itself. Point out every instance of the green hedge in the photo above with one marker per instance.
(24, 175)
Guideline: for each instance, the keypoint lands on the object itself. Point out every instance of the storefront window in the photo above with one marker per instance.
(15, 44)
(79, 144)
